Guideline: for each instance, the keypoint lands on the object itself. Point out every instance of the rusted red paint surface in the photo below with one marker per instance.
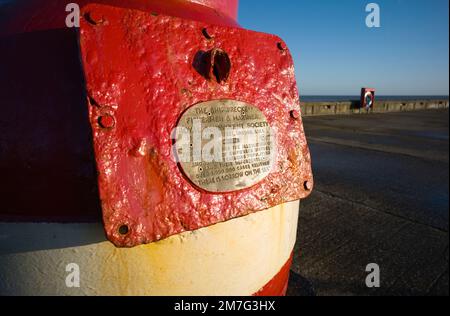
(141, 70)
(46, 153)
(278, 285)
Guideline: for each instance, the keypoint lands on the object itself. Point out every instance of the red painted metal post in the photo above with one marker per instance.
(123, 68)
(55, 112)
(42, 84)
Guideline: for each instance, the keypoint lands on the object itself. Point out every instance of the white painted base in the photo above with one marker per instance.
(234, 258)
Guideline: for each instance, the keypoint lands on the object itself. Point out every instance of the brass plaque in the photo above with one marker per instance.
(224, 145)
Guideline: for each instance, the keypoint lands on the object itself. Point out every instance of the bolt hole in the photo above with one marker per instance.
(92, 101)
(281, 46)
(295, 114)
(307, 185)
(221, 65)
(213, 65)
(93, 18)
(124, 230)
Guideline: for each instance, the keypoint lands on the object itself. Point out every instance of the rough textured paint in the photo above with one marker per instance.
(142, 71)
(46, 153)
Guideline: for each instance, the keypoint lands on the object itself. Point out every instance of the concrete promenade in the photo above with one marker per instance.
(381, 196)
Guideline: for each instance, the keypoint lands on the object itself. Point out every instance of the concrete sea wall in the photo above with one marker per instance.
(353, 107)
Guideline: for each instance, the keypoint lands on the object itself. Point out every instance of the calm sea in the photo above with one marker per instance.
(343, 98)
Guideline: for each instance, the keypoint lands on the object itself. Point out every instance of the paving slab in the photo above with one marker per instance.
(381, 197)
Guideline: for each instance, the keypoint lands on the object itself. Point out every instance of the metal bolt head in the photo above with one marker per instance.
(106, 121)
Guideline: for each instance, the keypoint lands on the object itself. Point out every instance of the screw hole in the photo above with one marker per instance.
(307, 185)
(93, 18)
(92, 101)
(124, 230)
(295, 114)
(206, 34)
(281, 46)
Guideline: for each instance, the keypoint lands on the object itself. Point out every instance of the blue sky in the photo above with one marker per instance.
(336, 53)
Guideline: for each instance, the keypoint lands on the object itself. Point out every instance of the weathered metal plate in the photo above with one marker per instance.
(143, 72)
(225, 145)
